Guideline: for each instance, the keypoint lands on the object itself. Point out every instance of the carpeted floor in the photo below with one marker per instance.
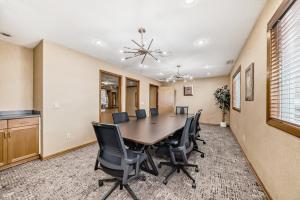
(224, 174)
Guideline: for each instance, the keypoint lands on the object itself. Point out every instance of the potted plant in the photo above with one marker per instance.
(222, 96)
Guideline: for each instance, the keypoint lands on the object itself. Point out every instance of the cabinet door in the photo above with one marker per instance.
(22, 143)
(3, 147)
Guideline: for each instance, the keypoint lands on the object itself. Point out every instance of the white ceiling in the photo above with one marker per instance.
(78, 24)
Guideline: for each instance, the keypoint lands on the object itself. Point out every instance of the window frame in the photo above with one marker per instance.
(288, 127)
(234, 75)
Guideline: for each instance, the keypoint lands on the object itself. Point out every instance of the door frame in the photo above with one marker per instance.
(119, 90)
(138, 89)
(157, 88)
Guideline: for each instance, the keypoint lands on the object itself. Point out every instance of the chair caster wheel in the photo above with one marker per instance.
(194, 185)
(159, 165)
(165, 182)
(100, 183)
(204, 142)
(202, 155)
(197, 169)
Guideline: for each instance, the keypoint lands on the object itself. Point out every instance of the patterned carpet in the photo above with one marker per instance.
(224, 174)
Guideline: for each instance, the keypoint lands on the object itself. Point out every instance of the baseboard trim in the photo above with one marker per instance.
(36, 157)
(60, 153)
(252, 168)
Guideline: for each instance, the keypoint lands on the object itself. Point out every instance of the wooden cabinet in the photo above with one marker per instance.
(19, 140)
(3, 147)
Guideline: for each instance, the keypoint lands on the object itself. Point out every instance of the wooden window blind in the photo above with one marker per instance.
(283, 92)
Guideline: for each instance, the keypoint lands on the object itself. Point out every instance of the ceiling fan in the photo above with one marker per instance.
(178, 76)
(142, 50)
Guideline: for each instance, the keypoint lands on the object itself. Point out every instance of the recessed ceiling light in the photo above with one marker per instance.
(121, 51)
(123, 59)
(160, 74)
(189, 3)
(208, 73)
(143, 66)
(5, 34)
(99, 42)
(164, 53)
(200, 42)
(207, 67)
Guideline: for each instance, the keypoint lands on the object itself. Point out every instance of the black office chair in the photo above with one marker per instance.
(199, 129)
(181, 110)
(120, 117)
(140, 114)
(193, 131)
(154, 112)
(114, 159)
(179, 151)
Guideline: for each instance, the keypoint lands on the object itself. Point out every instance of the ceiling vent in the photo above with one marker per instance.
(230, 62)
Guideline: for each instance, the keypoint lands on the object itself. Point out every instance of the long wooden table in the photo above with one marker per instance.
(151, 130)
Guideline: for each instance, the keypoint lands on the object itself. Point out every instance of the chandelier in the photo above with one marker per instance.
(178, 76)
(141, 49)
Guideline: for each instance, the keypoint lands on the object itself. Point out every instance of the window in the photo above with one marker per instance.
(236, 90)
(283, 81)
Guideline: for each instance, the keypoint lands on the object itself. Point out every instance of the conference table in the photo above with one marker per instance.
(151, 130)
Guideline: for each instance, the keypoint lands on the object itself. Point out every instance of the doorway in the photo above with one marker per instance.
(153, 96)
(132, 96)
(110, 95)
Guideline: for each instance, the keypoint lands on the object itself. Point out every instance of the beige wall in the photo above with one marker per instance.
(204, 89)
(274, 154)
(71, 96)
(16, 77)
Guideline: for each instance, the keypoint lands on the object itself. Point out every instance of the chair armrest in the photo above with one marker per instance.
(172, 142)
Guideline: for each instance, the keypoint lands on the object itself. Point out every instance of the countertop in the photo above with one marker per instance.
(4, 115)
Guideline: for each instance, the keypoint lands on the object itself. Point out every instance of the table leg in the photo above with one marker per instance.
(145, 165)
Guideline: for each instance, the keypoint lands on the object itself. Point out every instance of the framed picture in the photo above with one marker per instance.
(236, 90)
(188, 90)
(249, 83)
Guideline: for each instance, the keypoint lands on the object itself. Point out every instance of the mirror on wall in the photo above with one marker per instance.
(132, 96)
(110, 96)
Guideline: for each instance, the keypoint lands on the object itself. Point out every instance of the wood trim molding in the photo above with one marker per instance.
(283, 8)
(60, 153)
(269, 197)
(234, 75)
(19, 162)
(120, 77)
(138, 89)
(157, 93)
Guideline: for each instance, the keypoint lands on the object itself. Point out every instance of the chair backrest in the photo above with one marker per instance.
(182, 110)
(112, 148)
(195, 124)
(120, 117)
(185, 137)
(154, 112)
(198, 123)
(140, 114)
